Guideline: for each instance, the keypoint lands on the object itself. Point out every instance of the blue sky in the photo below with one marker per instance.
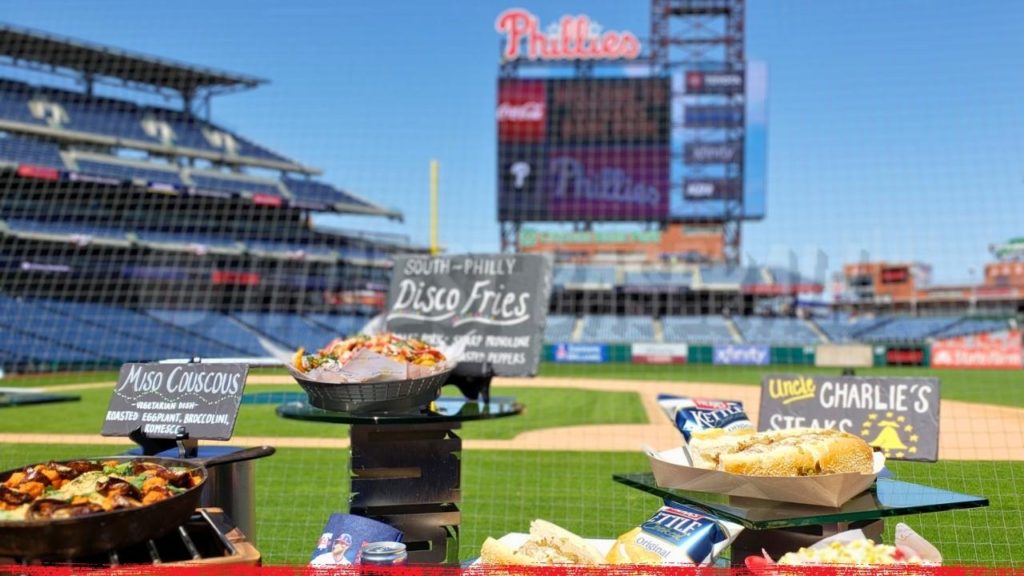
(894, 128)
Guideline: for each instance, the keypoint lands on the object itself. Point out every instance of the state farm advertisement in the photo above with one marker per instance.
(986, 350)
(607, 184)
(522, 110)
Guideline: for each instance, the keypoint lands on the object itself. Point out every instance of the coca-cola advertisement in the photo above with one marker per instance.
(522, 111)
(1000, 349)
(597, 183)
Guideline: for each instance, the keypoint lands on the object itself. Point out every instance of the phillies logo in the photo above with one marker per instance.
(572, 38)
(694, 80)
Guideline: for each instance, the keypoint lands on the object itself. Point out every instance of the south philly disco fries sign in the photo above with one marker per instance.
(497, 302)
(899, 416)
(161, 399)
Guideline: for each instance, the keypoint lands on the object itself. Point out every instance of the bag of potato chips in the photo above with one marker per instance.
(691, 414)
(676, 534)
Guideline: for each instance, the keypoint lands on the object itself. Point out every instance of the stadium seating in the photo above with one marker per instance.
(778, 331)
(214, 326)
(129, 172)
(606, 328)
(226, 183)
(65, 228)
(730, 275)
(76, 111)
(559, 328)
(657, 279)
(166, 340)
(969, 326)
(65, 331)
(339, 324)
(843, 328)
(277, 246)
(696, 329)
(907, 329)
(312, 191)
(583, 275)
(30, 151)
(287, 329)
(162, 237)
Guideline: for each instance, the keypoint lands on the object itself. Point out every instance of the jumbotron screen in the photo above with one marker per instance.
(584, 149)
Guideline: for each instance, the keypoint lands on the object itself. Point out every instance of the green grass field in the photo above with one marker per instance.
(503, 490)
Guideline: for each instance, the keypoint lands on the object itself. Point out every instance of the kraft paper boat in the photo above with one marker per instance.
(672, 470)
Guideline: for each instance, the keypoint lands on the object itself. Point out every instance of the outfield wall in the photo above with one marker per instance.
(821, 355)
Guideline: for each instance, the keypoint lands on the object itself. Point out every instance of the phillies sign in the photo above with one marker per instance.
(571, 38)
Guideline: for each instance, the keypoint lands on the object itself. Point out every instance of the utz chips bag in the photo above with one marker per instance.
(676, 534)
(690, 414)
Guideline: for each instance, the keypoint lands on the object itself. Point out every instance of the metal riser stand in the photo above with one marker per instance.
(410, 477)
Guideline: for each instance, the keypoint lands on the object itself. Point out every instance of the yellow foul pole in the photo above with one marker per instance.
(435, 248)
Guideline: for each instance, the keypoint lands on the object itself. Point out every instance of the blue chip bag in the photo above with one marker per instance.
(690, 414)
(675, 534)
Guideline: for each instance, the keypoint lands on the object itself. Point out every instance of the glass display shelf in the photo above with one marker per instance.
(886, 498)
(444, 409)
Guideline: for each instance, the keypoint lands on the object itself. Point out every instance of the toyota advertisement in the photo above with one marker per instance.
(583, 149)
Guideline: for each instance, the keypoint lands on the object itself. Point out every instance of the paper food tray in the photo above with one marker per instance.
(516, 539)
(671, 470)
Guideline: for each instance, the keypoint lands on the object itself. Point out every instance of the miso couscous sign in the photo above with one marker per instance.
(498, 302)
(899, 416)
(160, 399)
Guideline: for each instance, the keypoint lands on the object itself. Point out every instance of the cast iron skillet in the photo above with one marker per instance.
(90, 534)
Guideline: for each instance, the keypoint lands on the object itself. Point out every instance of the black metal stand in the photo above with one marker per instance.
(409, 476)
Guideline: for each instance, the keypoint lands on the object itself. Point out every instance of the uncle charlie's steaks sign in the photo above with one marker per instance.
(899, 416)
(498, 302)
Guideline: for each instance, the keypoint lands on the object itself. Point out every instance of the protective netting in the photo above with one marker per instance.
(138, 223)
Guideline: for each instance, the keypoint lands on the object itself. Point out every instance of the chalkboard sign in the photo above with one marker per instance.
(160, 399)
(899, 416)
(499, 301)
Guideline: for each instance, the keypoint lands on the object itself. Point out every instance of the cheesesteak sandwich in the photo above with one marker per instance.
(792, 452)
(548, 544)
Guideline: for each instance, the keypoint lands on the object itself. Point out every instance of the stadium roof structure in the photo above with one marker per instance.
(20, 45)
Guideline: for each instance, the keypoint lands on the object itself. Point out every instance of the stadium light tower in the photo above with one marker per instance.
(707, 35)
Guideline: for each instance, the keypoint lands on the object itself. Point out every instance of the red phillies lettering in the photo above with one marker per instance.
(573, 40)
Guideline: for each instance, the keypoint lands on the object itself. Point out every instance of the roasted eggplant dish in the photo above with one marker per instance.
(69, 489)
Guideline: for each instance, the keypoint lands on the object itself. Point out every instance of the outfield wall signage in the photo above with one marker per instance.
(659, 353)
(586, 353)
(497, 302)
(571, 38)
(904, 356)
(844, 356)
(899, 416)
(1000, 349)
(712, 152)
(741, 354)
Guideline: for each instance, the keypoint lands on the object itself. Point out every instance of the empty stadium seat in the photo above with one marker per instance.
(65, 331)
(313, 191)
(583, 275)
(969, 326)
(289, 329)
(237, 185)
(339, 325)
(559, 329)
(214, 326)
(730, 275)
(168, 341)
(841, 328)
(65, 228)
(657, 278)
(908, 329)
(696, 329)
(129, 172)
(30, 151)
(776, 331)
(602, 328)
